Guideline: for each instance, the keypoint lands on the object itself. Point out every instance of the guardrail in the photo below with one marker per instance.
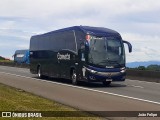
(150, 76)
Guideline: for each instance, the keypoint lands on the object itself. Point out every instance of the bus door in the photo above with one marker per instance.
(54, 65)
(65, 62)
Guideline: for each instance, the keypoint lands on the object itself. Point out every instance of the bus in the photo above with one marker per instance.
(21, 56)
(79, 53)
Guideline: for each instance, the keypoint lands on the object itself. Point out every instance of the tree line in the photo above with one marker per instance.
(150, 67)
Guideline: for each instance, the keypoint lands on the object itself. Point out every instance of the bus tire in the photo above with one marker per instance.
(106, 83)
(74, 77)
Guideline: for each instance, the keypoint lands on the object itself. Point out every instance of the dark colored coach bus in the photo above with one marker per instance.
(79, 53)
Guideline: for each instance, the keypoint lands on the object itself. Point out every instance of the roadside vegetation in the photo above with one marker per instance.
(148, 68)
(6, 61)
(12, 99)
(2, 59)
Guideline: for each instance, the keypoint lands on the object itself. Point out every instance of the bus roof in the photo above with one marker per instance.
(97, 31)
(21, 51)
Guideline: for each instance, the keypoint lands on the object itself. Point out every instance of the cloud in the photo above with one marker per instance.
(14, 33)
(137, 21)
(145, 47)
(36, 8)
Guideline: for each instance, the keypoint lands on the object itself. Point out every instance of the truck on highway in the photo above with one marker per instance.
(79, 53)
(21, 56)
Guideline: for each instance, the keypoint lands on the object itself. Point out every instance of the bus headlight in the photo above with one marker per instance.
(123, 69)
(92, 71)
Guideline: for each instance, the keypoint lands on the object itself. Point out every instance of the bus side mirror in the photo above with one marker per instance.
(82, 47)
(82, 52)
(86, 46)
(129, 45)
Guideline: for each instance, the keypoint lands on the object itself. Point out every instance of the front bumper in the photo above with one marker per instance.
(108, 75)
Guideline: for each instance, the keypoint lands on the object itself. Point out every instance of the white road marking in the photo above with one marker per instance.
(24, 71)
(135, 86)
(134, 98)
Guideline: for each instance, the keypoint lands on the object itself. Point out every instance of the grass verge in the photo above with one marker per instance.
(12, 99)
(6, 61)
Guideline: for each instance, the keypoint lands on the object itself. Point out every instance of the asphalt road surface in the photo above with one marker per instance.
(131, 95)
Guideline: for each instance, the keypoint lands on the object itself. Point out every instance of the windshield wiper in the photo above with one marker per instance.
(112, 62)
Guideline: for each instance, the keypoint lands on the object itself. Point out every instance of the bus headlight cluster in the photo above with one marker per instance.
(123, 70)
(92, 71)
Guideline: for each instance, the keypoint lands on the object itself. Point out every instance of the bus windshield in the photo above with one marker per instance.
(106, 52)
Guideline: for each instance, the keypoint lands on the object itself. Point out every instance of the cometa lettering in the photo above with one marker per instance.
(63, 57)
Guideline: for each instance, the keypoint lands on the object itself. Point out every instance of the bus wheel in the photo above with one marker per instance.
(74, 77)
(39, 73)
(106, 83)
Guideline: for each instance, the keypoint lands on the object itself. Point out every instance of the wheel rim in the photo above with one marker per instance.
(39, 72)
(74, 78)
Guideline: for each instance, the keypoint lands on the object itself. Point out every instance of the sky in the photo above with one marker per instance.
(137, 21)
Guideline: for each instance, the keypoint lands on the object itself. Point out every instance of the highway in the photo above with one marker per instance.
(131, 95)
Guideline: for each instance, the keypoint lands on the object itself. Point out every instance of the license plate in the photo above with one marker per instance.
(108, 79)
